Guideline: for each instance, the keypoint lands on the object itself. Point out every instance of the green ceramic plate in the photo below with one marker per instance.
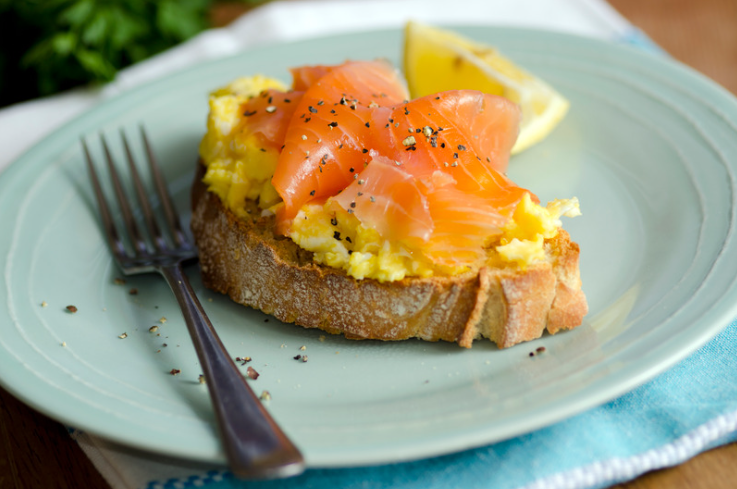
(649, 147)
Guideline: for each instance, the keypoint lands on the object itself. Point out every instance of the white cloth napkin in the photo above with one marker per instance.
(24, 124)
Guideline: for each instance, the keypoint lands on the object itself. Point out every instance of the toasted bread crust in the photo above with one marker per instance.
(243, 259)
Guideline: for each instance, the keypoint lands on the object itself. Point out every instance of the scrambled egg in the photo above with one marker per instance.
(339, 240)
(239, 169)
(531, 224)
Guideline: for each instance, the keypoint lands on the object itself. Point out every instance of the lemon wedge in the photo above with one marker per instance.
(436, 60)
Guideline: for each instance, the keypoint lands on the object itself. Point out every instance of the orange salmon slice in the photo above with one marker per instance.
(325, 145)
(426, 172)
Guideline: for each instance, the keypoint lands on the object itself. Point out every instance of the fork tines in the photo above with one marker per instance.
(137, 240)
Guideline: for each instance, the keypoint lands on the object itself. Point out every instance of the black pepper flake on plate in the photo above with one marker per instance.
(297, 357)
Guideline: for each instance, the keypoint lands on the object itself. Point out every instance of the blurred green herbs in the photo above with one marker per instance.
(52, 45)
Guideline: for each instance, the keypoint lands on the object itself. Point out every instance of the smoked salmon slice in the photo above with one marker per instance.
(269, 114)
(390, 200)
(426, 172)
(325, 145)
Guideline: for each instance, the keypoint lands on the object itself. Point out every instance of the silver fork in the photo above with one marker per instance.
(254, 445)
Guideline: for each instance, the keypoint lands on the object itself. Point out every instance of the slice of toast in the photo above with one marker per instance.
(245, 260)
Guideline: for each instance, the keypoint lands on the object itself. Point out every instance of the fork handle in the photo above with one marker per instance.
(254, 445)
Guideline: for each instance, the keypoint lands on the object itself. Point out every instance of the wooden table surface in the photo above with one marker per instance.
(37, 452)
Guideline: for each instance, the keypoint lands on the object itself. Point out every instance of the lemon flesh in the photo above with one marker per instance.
(436, 60)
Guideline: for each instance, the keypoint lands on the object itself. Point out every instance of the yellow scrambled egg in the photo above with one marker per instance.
(339, 240)
(238, 169)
